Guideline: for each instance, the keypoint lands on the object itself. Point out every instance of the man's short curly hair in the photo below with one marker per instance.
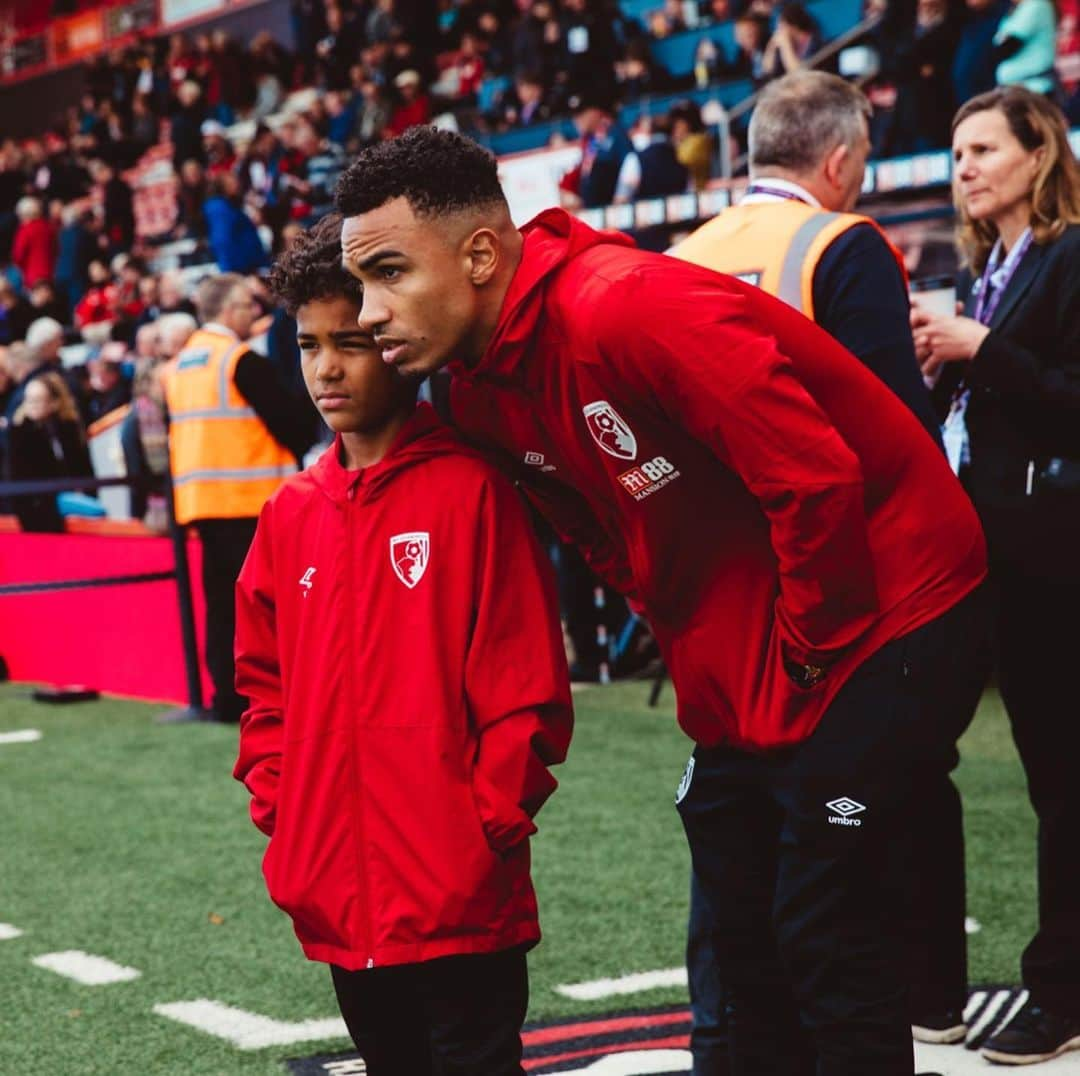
(438, 172)
(311, 270)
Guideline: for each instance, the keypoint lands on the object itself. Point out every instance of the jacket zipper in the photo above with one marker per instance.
(365, 896)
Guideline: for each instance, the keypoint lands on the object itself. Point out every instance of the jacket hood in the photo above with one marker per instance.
(424, 436)
(552, 239)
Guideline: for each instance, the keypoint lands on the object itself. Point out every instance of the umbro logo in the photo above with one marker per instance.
(536, 459)
(843, 809)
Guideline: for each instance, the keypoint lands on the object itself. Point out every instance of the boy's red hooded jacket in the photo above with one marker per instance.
(399, 641)
(743, 478)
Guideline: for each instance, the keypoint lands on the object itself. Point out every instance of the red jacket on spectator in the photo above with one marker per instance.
(398, 639)
(411, 114)
(34, 250)
(98, 304)
(748, 483)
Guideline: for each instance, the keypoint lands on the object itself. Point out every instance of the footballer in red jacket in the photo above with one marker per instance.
(399, 641)
(807, 560)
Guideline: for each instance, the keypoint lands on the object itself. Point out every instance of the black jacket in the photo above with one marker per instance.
(1024, 414)
(45, 450)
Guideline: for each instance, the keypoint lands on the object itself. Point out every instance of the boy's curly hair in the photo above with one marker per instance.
(437, 172)
(312, 269)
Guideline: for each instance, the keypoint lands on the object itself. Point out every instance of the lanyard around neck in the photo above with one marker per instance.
(995, 278)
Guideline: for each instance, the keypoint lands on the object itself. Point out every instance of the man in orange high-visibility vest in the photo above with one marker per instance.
(795, 236)
(233, 439)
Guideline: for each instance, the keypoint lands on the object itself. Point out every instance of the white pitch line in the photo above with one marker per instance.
(626, 984)
(20, 736)
(85, 968)
(249, 1030)
(7, 932)
(637, 1063)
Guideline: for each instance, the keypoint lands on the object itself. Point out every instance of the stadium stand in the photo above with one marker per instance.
(202, 132)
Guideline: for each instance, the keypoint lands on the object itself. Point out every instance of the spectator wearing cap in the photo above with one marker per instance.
(414, 106)
(34, 247)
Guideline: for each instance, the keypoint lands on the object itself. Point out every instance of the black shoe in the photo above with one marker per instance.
(942, 1026)
(1033, 1035)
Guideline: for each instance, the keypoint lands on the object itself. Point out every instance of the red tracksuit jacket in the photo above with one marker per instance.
(398, 637)
(730, 467)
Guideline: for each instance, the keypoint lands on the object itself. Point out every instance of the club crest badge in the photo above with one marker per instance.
(409, 556)
(609, 430)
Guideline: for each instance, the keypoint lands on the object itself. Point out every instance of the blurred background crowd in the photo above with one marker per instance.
(251, 136)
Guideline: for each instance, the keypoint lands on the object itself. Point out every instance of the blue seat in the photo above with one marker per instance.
(835, 17)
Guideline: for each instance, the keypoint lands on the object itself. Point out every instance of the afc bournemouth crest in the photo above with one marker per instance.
(409, 556)
(609, 431)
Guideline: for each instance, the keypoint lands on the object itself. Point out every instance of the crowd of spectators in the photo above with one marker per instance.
(73, 270)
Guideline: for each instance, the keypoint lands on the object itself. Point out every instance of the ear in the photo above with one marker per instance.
(833, 166)
(483, 252)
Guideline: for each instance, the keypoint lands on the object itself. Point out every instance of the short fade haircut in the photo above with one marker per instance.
(438, 172)
(311, 270)
(802, 117)
(212, 294)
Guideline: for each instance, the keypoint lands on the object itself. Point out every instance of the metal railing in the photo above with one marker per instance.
(729, 167)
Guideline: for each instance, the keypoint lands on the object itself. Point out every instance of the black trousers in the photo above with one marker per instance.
(1038, 657)
(225, 544)
(457, 1016)
(811, 898)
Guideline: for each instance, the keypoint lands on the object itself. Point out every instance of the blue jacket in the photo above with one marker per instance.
(233, 237)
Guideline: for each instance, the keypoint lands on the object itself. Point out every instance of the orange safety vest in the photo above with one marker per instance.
(775, 245)
(225, 463)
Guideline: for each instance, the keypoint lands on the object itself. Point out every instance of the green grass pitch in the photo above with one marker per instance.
(130, 841)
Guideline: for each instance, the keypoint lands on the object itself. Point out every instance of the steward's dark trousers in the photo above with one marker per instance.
(1038, 637)
(225, 544)
(457, 1016)
(810, 858)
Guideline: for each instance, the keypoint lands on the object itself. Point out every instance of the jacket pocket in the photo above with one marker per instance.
(503, 821)
(310, 865)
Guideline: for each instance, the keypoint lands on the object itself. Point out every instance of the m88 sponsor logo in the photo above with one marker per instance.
(648, 477)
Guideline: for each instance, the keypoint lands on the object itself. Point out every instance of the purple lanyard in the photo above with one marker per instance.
(996, 279)
(775, 192)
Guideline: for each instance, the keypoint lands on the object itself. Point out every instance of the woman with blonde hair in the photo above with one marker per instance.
(46, 442)
(1010, 381)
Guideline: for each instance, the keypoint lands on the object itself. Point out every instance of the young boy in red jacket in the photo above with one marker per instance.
(398, 639)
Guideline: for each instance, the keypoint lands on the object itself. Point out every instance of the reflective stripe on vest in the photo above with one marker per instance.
(225, 462)
(775, 245)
